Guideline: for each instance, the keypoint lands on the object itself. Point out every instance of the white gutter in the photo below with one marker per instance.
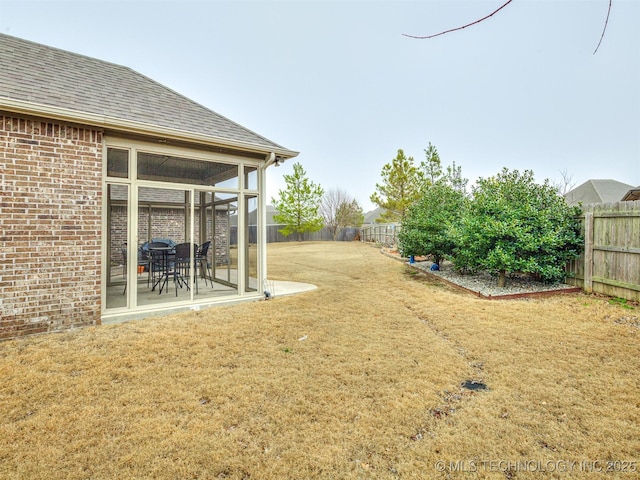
(104, 121)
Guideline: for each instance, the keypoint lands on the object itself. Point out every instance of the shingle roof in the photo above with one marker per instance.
(370, 217)
(44, 75)
(597, 191)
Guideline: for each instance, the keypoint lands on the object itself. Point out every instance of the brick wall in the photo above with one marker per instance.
(50, 226)
(118, 233)
(222, 244)
(166, 223)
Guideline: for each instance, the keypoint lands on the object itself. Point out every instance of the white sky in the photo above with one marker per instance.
(338, 82)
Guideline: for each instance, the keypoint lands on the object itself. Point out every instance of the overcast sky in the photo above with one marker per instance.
(337, 81)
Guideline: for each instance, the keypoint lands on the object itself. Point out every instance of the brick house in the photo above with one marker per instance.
(94, 158)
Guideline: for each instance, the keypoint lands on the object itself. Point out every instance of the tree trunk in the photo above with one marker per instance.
(502, 278)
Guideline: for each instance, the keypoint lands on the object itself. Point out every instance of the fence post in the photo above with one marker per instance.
(588, 252)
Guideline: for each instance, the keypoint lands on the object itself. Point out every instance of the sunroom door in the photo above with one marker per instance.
(223, 211)
(216, 213)
(166, 246)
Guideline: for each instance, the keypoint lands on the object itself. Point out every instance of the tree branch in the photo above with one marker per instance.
(604, 29)
(473, 23)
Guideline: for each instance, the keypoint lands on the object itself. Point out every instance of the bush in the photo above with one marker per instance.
(515, 225)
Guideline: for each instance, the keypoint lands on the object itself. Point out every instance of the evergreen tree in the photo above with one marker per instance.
(431, 166)
(426, 230)
(455, 179)
(349, 214)
(298, 204)
(400, 187)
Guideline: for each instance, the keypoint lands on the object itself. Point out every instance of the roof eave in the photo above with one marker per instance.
(632, 195)
(112, 123)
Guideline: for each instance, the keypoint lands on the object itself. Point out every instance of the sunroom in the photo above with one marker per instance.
(166, 200)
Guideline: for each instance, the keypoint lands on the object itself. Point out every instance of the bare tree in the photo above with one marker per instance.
(333, 198)
(463, 26)
(339, 209)
(606, 22)
(565, 184)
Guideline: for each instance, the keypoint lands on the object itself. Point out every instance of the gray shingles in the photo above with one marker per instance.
(597, 191)
(40, 74)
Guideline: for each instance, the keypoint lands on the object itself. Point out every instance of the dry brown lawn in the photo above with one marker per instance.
(373, 392)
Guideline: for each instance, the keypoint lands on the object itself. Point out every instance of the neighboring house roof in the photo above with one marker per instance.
(270, 210)
(370, 217)
(597, 191)
(633, 194)
(39, 79)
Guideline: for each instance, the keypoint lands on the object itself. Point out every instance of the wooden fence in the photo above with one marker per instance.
(610, 264)
(382, 233)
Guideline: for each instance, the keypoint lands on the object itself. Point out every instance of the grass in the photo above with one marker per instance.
(623, 302)
(374, 390)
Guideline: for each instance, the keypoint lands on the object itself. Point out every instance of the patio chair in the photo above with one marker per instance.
(143, 261)
(203, 260)
(182, 269)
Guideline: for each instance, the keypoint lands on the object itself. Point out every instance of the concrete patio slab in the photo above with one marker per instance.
(282, 287)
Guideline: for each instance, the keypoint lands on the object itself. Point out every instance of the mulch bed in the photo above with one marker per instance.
(525, 289)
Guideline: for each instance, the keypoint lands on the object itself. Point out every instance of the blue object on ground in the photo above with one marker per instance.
(435, 266)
